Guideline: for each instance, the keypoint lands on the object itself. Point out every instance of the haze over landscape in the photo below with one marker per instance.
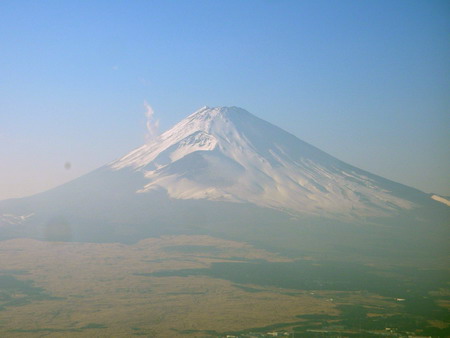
(225, 169)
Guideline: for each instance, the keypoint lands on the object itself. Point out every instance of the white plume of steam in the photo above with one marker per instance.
(152, 125)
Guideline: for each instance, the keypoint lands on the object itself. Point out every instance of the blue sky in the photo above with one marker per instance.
(366, 81)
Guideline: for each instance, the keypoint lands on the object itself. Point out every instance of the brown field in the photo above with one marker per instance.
(97, 291)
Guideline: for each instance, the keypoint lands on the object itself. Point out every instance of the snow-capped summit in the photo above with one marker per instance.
(228, 154)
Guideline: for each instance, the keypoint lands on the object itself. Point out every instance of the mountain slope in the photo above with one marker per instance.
(227, 154)
(226, 173)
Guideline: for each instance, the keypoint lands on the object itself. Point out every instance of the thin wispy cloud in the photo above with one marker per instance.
(152, 124)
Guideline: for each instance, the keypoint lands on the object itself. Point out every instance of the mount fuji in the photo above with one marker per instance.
(228, 154)
(224, 171)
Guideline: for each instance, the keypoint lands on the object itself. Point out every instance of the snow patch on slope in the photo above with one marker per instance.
(14, 219)
(441, 199)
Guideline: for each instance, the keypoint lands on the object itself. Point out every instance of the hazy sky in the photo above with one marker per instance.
(366, 81)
